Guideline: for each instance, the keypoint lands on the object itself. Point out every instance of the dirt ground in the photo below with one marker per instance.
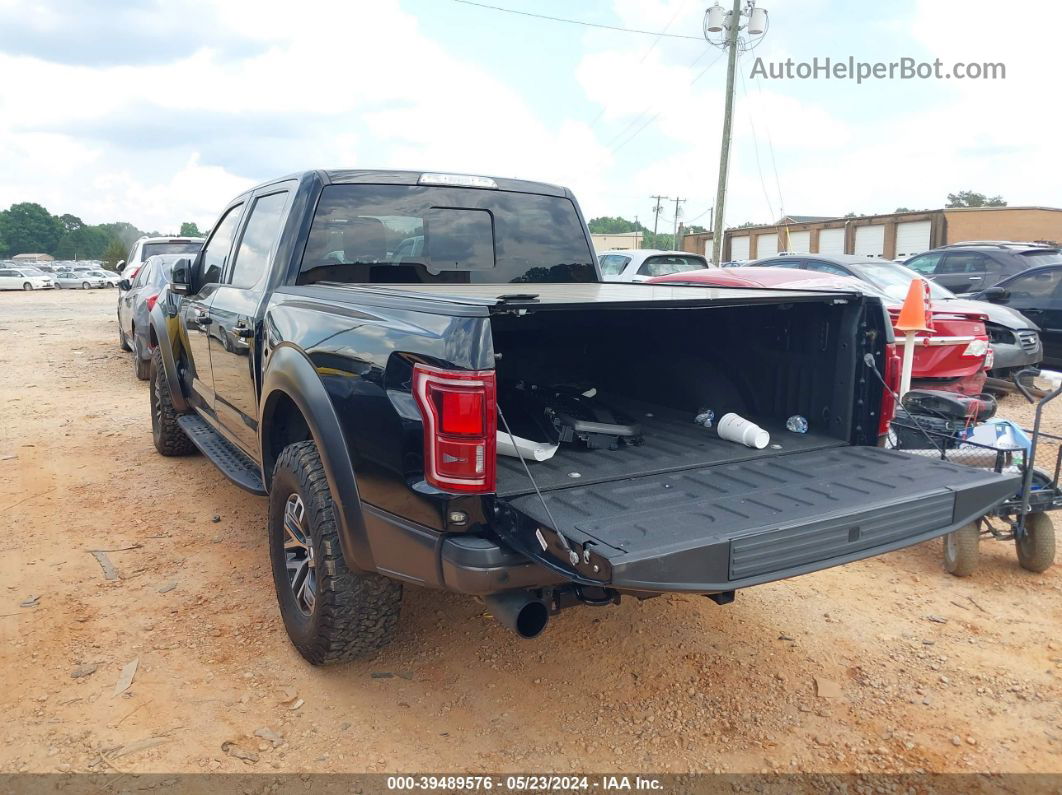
(888, 664)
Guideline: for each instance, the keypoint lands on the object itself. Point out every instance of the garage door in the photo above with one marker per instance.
(766, 245)
(799, 242)
(831, 241)
(912, 237)
(870, 240)
(739, 247)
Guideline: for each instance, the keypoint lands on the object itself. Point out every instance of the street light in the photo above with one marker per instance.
(752, 21)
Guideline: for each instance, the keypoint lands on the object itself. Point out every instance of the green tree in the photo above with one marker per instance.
(189, 229)
(28, 227)
(86, 242)
(70, 223)
(609, 225)
(114, 252)
(903, 210)
(969, 198)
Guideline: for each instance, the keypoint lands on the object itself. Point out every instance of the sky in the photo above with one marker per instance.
(160, 111)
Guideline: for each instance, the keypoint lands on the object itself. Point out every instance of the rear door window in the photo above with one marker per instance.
(613, 264)
(666, 264)
(963, 262)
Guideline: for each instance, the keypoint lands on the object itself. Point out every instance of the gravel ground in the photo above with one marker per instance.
(888, 664)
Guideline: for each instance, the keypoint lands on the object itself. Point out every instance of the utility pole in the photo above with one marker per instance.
(716, 21)
(656, 214)
(674, 237)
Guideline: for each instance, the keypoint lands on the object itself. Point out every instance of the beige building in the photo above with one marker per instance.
(619, 240)
(33, 258)
(892, 236)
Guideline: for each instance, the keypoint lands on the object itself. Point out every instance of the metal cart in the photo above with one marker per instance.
(1022, 518)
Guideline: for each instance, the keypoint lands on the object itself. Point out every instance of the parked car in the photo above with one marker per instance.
(367, 397)
(136, 299)
(23, 278)
(150, 246)
(637, 265)
(75, 279)
(110, 278)
(1036, 293)
(972, 266)
(955, 357)
(1015, 338)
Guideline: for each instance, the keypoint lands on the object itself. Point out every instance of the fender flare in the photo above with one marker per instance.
(159, 324)
(292, 374)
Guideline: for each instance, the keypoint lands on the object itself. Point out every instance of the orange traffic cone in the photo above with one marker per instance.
(915, 314)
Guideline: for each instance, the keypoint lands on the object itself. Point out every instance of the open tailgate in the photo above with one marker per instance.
(728, 526)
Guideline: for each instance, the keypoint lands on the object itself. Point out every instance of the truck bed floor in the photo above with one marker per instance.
(672, 442)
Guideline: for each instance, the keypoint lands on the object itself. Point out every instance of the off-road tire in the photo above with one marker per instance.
(123, 343)
(1036, 550)
(141, 368)
(962, 550)
(354, 612)
(27, 286)
(167, 434)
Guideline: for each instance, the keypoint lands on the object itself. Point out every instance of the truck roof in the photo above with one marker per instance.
(369, 176)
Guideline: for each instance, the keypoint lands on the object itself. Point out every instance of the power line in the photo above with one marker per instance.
(755, 143)
(578, 21)
(659, 113)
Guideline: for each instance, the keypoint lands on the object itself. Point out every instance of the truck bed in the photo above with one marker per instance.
(721, 526)
(672, 442)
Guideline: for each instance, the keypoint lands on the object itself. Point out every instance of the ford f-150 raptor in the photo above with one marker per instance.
(427, 378)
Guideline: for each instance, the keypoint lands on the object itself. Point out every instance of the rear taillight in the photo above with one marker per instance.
(977, 348)
(151, 301)
(460, 427)
(892, 379)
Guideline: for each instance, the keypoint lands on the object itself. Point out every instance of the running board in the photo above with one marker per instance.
(232, 462)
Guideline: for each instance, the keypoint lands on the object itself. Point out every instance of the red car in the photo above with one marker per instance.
(954, 358)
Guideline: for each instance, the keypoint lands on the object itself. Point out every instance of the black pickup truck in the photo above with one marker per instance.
(363, 346)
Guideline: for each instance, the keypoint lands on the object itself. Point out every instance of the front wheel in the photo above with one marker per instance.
(85, 285)
(123, 343)
(961, 550)
(27, 286)
(331, 614)
(1036, 547)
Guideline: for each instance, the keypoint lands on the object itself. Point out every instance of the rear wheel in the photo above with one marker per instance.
(1036, 548)
(961, 550)
(331, 614)
(27, 286)
(141, 367)
(166, 433)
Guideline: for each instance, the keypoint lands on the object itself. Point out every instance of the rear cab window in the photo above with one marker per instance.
(427, 234)
(170, 247)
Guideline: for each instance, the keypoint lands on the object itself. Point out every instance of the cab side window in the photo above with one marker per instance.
(259, 237)
(216, 251)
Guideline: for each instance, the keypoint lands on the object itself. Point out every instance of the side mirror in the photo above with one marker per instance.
(181, 277)
(124, 284)
(995, 294)
(119, 265)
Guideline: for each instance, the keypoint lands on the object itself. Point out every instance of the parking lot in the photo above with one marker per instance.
(888, 664)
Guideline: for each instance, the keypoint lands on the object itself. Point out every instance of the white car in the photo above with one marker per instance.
(21, 278)
(75, 279)
(149, 246)
(110, 278)
(639, 264)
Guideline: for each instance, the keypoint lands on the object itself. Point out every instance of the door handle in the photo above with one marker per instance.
(976, 278)
(243, 331)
